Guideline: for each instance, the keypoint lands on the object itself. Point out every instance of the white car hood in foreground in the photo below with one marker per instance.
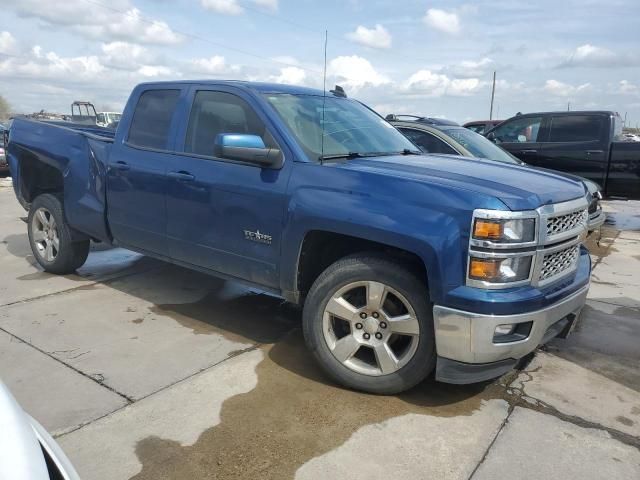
(22, 441)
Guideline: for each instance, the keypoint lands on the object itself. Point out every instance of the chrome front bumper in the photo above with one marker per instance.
(596, 220)
(468, 337)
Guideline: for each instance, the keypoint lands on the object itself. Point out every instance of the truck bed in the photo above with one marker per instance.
(68, 154)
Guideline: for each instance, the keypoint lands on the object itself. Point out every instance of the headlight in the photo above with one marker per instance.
(517, 230)
(500, 270)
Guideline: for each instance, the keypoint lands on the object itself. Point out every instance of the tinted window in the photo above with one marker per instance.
(427, 142)
(575, 128)
(219, 112)
(152, 117)
(521, 130)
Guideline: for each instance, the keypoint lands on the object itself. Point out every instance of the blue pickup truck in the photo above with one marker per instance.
(406, 264)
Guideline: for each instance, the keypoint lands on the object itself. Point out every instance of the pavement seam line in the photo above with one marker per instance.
(80, 287)
(44, 352)
(160, 390)
(493, 440)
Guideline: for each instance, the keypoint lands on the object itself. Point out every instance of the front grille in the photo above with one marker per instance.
(565, 223)
(558, 262)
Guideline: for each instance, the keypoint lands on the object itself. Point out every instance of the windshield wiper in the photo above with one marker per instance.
(406, 151)
(342, 155)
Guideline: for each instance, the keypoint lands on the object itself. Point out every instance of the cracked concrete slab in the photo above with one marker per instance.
(576, 391)
(59, 398)
(411, 447)
(533, 446)
(146, 331)
(106, 449)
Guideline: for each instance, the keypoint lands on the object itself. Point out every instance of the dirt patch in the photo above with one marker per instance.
(293, 415)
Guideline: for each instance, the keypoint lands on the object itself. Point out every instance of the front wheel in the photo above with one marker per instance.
(51, 239)
(369, 323)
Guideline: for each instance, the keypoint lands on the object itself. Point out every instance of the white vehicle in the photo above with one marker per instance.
(27, 451)
(104, 119)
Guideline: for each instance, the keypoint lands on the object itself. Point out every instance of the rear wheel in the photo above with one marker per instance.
(51, 239)
(368, 322)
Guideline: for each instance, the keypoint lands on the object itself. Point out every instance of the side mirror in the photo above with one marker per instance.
(247, 148)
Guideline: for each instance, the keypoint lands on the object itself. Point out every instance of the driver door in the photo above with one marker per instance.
(225, 215)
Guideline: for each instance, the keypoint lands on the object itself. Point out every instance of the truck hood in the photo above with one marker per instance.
(518, 187)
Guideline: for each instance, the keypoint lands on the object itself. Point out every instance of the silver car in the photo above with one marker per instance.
(27, 451)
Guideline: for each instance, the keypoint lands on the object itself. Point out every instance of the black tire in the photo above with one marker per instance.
(376, 268)
(71, 255)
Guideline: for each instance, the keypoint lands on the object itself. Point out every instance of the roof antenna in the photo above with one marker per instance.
(324, 94)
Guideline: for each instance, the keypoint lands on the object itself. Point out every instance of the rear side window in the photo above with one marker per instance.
(220, 112)
(427, 142)
(576, 128)
(152, 118)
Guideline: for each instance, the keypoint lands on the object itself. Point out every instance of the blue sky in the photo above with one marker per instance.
(425, 57)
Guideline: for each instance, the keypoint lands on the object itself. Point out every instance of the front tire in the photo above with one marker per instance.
(368, 322)
(50, 237)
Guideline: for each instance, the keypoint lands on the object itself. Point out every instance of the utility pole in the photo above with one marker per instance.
(493, 93)
(568, 106)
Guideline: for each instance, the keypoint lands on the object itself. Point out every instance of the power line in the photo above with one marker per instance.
(194, 36)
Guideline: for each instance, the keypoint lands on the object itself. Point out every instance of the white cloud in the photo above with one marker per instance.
(290, 75)
(226, 7)
(430, 84)
(49, 65)
(471, 68)
(627, 88)
(355, 72)
(561, 89)
(215, 65)
(121, 21)
(7, 43)
(376, 37)
(441, 20)
(588, 55)
(125, 55)
(155, 71)
(232, 7)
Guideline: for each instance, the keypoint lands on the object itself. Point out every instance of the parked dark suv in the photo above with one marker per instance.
(583, 143)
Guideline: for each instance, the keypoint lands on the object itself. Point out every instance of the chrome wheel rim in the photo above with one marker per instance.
(370, 328)
(44, 232)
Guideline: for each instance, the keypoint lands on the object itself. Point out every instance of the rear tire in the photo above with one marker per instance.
(51, 239)
(369, 323)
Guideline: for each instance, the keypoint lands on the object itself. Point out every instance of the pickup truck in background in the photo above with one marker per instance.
(405, 263)
(439, 136)
(587, 144)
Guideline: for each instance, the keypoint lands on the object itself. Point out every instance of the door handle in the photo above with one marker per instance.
(183, 176)
(528, 152)
(120, 166)
(594, 152)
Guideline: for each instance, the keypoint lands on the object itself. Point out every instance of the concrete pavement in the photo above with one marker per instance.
(146, 370)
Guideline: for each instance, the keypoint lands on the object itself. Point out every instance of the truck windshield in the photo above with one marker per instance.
(350, 128)
(481, 147)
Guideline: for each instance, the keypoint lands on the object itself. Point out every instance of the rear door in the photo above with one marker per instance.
(520, 136)
(224, 215)
(575, 145)
(137, 182)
